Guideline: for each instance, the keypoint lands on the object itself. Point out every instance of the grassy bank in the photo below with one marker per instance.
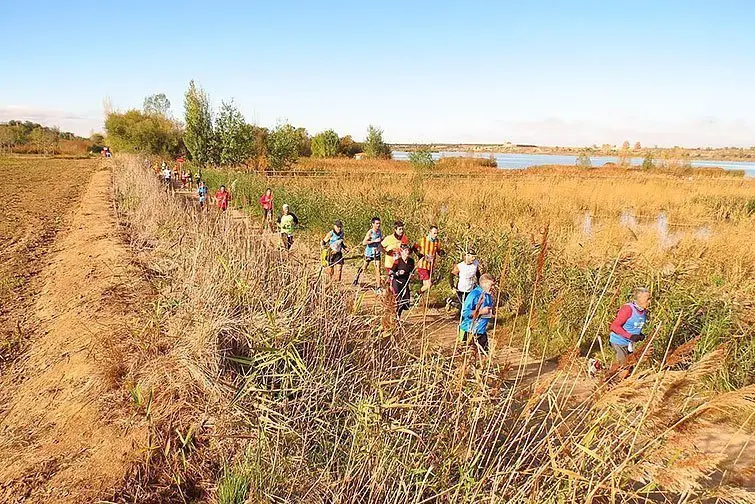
(266, 385)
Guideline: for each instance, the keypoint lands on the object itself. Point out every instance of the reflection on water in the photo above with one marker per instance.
(668, 233)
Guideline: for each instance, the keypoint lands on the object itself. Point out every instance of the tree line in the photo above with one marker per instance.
(225, 138)
(31, 137)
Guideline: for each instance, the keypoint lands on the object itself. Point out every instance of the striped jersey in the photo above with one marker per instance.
(428, 248)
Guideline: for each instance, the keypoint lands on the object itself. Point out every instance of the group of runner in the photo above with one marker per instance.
(395, 260)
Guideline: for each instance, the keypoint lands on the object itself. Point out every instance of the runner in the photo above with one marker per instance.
(428, 250)
(266, 202)
(286, 223)
(626, 328)
(166, 175)
(468, 273)
(202, 191)
(222, 198)
(184, 174)
(190, 179)
(371, 243)
(392, 245)
(477, 312)
(198, 177)
(334, 247)
(400, 273)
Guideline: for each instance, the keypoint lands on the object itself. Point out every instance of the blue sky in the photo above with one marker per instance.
(551, 73)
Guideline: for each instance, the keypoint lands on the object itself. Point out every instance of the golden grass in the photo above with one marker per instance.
(312, 401)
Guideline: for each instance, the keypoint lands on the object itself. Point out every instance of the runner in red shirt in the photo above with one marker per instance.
(266, 202)
(222, 198)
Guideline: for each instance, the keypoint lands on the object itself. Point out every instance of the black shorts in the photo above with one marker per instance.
(369, 259)
(288, 240)
(461, 296)
(482, 339)
(267, 214)
(335, 258)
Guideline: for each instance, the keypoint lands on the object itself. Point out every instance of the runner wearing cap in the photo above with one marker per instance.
(333, 248)
(286, 223)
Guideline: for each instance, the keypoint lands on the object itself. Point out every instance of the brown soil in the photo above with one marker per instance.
(40, 196)
(59, 440)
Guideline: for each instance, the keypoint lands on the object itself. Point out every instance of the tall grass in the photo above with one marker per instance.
(312, 400)
(702, 266)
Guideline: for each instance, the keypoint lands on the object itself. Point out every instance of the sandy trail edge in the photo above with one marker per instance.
(56, 443)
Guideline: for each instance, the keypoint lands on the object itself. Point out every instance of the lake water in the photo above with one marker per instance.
(517, 161)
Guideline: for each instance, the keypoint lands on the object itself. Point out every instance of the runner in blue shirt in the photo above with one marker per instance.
(477, 312)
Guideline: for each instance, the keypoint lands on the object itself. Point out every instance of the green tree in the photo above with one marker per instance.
(348, 147)
(199, 136)
(44, 140)
(283, 147)
(305, 142)
(234, 136)
(583, 160)
(421, 160)
(647, 163)
(7, 138)
(326, 144)
(374, 146)
(135, 131)
(156, 104)
(97, 139)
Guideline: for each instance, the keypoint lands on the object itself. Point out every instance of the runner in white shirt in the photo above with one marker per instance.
(468, 274)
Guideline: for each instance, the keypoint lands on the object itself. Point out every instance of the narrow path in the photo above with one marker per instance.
(59, 440)
(439, 326)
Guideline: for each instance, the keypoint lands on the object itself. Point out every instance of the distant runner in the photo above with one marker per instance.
(202, 192)
(392, 245)
(468, 273)
(400, 273)
(166, 174)
(334, 247)
(222, 198)
(266, 202)
(286, 223)
(428, 250)
(477, 312)
(371, 243)
(626, 328)
(190, 179)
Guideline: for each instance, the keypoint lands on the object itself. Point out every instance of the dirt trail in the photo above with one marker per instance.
(59, 440)
(439, 326)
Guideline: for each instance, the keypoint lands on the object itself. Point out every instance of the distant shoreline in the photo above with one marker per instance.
(708, 153)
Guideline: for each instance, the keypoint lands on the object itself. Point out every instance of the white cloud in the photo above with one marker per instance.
(81, 124)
